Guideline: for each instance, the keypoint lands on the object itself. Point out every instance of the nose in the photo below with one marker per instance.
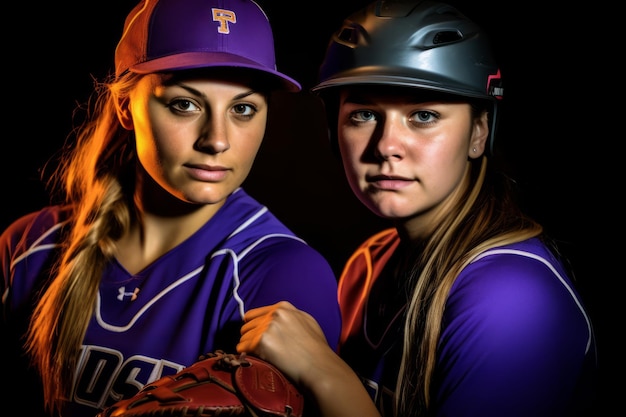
(213, 137)
(390, 144)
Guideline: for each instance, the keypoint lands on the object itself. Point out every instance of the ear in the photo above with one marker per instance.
(480, 133)
(124, 114)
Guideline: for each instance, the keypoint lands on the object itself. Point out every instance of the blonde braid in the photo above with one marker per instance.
(92, 174)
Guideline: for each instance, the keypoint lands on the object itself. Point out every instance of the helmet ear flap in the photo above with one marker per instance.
(495, 90)
(492, 129)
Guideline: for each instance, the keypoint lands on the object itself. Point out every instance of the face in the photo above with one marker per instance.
(196, 137)
(406, 158)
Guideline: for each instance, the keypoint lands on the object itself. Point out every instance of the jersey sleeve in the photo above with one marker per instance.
(32, 237)
(288, 269)
(515, 340)
(9, 241)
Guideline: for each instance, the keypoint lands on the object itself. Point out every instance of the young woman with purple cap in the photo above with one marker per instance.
(156, 252)
(464, 308)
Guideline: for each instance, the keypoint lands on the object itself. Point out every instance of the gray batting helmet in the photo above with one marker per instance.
(416, 43)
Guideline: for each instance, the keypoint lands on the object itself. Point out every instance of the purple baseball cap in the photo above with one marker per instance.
(170, 35)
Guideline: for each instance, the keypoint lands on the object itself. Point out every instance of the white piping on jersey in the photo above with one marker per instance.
(35, 248)
(551, 268)
(247, 222)
(236, 258)
(149, 304)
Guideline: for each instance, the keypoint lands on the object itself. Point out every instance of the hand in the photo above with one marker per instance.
(293, 341)
(289, 338)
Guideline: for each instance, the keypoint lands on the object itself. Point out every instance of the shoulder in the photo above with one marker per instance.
(515, 326)
(34, 227)
(27, 247)
(280, 266)
(519, 290)
(244, 221)
(258, 237)
(513, 272)
(281, 255)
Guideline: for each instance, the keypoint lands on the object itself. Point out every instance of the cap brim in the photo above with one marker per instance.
(193, 60)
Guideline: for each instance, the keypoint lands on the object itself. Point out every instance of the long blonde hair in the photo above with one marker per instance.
(486, 216)
(95, 179)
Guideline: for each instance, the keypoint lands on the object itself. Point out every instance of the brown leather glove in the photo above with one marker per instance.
(219, 384)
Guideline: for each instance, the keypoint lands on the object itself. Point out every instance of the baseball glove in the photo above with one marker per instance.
(219, 384)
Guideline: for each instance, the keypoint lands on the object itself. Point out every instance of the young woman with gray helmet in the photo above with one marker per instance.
(464, 307)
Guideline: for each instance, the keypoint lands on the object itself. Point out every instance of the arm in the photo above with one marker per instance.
(293, 341)
(294, 272)
(514, 342)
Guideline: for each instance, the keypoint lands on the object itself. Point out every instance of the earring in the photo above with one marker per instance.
(473, 149)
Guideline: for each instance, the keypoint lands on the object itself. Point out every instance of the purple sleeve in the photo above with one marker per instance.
(514, 342)
(33, 228)
(297, 273)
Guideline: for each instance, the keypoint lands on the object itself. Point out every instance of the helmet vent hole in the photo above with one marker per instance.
(348, 35)
(447, 36)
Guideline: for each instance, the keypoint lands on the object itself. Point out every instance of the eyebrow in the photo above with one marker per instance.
(198, 93)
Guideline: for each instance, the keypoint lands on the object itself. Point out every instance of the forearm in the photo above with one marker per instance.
(337, 389)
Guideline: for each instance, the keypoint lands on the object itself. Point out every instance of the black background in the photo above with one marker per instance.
(554, 133)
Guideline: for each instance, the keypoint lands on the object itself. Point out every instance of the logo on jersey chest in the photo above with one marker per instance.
(127, 295)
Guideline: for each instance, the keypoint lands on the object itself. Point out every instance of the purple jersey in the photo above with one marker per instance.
(188, 302)
(515, 341)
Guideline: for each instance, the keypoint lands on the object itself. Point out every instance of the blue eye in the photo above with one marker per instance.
(363, 116)
(424, 116)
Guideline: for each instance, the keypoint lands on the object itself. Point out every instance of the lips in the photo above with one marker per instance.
(389, 182)
(207, 173)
